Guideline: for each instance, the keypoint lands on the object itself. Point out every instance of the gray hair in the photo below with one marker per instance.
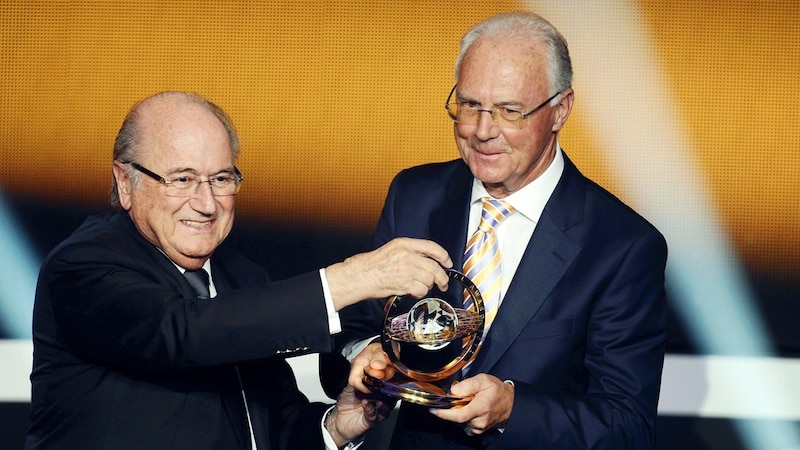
(126, 146)
(531, 27)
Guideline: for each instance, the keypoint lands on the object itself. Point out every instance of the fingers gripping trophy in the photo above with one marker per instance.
(429, 340)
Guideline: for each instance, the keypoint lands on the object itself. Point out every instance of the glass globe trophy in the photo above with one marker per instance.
(428, 340)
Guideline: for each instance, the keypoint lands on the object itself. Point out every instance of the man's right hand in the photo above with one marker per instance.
(403, 266)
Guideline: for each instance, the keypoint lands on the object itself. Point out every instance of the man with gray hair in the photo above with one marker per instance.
(575, 304)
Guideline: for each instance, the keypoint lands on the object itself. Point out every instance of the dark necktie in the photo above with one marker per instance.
(199, 281)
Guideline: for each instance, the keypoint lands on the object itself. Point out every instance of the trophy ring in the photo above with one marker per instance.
(428, 340)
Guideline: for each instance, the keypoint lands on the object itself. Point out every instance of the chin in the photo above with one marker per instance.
(198, 251)
(488, 176)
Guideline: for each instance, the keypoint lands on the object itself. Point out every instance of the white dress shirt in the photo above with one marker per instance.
(514, 233)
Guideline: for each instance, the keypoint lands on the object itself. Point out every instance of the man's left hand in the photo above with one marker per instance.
(355, 413)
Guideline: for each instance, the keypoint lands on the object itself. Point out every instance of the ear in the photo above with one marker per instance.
(563, 108)
(124, 185)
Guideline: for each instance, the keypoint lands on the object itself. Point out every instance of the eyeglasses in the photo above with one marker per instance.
(469, 112)
(187, 185)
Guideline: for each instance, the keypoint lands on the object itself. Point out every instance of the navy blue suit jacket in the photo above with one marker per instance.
(126, 356)
(581, 330)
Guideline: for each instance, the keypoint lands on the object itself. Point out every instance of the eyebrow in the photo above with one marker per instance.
(179, 170)
(504, 103)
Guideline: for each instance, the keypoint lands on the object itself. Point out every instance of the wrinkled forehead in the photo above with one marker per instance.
(184, 131)
(511, 65)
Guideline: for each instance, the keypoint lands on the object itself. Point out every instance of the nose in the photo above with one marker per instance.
(486, 128)
(203, 199)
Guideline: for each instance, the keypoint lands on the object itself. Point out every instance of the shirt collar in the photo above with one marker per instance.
(531, 199)
(206, 266)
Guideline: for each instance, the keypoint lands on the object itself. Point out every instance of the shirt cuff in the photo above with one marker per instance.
(334, 323)
(503, 429)
(352, 349)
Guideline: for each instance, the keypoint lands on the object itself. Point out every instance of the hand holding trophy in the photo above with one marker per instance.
(429, 340)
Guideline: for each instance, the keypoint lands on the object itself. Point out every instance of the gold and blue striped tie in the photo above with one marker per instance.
(482, 263)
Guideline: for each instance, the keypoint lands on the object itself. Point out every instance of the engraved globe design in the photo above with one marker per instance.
(432, 323)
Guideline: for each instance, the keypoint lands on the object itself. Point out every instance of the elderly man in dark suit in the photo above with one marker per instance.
(131, 351)
(573, 357)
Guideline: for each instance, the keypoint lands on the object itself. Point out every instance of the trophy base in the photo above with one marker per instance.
(417, 392)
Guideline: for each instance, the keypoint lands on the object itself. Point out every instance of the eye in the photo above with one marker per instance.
(183, 181)
(221, 180)
(469, 105)
(507, 112)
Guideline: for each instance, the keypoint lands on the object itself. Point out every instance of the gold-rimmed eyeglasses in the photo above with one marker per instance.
(468, 112)
(187, 184)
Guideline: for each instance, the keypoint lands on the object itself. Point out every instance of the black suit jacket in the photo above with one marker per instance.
(581, 328)
(125, 356)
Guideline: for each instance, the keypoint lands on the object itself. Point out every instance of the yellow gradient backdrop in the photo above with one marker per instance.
(331, 99)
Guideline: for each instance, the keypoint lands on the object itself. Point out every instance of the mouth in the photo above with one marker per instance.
(199, 225)
(488, 153)
(486, 150)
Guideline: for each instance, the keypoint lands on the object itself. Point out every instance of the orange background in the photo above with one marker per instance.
(332, 99)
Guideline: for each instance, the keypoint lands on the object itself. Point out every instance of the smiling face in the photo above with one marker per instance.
(177, 136)
(511, 73)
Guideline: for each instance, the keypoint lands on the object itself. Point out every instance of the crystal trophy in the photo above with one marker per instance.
(430, 339)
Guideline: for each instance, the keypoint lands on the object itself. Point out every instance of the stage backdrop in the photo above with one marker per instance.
(686, 110)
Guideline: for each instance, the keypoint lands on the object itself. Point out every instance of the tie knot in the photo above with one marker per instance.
(199, 281)
(494, 212)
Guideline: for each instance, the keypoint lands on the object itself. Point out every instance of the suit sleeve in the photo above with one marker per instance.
(623, 359)
(278, 409)
(127, 311)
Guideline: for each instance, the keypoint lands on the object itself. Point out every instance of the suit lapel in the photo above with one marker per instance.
(159, 265)
(547, 257)
(220, 275)
(448, 225)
